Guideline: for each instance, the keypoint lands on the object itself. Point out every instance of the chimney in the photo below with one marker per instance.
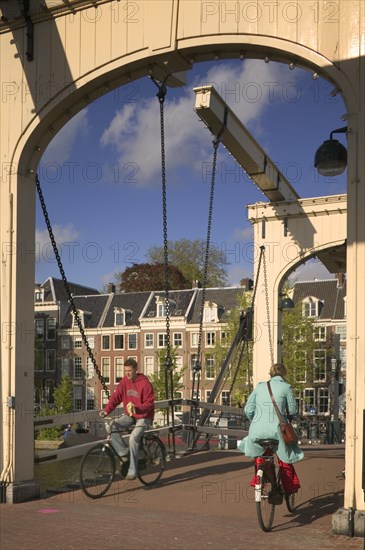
(111, 288)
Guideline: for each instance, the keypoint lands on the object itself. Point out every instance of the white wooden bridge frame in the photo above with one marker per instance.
(82, 49)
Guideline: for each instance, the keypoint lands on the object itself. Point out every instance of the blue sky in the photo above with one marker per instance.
(101, 174)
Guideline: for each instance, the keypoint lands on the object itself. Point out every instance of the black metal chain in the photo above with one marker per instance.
(67, 288)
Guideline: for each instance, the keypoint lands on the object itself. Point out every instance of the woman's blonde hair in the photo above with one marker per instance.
(278, 369)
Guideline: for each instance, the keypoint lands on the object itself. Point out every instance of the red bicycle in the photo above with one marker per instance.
(269, 491)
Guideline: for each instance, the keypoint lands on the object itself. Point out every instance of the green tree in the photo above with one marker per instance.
(141, 277)
(158, 378)
(63, 399)
(189, 257)
(298, 346)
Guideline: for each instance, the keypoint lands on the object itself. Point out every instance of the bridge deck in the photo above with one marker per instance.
(203, 501)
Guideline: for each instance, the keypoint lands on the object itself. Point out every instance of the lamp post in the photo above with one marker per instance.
(331, 157)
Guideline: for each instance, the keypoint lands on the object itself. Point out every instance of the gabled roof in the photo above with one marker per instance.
(179, 303)
(54, 290)
(93, 306)
(225, 298)
(132, 301)
(327, 291)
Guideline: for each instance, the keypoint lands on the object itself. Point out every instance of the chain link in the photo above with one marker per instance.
(267, 306)
(67, 288)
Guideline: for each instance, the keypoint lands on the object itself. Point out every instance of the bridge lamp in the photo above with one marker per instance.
(331, 157)
(286, 302)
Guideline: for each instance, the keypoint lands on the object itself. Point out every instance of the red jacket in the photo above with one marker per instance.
(139, 392)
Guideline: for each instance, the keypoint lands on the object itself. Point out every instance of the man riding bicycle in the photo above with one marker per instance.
(136, 393)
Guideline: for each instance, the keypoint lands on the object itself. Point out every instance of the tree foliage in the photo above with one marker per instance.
(189, 257)
(146, 277)
(298, 346)
(158, 379)
(63, 399)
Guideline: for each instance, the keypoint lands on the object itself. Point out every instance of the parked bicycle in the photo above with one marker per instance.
(99, 465)
(269, 491)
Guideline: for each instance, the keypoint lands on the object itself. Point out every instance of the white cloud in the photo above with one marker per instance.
(134, 132)
(63, 235)
(60, 148)
(309, 271)
(244, 234)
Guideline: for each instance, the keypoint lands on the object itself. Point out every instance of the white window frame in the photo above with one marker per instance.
(90, 398)
(102, 342)
(65, 342)
(149, 365)
(119, 312)
(161, 336)
(323, 394)
(178, 339)
(342, 331)
(319, 333)
(77, 398)
(77, 342)
(51, 329)
(311, 393)
(105, 369)
(194, 339)
(210, 339)
(296, 377)
(149, 339)
(118, 369)
(115, 336)
(39, 326)
(209, 365)
(319, 365)
(89, 369)
(77, 368)
(226, 395)
(134, 334)
(51, 353)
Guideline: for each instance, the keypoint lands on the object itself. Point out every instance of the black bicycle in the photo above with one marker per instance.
(269, 491)
(98, 465)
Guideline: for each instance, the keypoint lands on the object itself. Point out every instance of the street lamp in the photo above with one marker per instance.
(331, 157)
(286, 302)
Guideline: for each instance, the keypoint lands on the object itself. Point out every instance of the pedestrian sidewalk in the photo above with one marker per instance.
(202, 501)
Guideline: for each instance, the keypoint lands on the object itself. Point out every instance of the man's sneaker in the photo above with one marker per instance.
(131, 477)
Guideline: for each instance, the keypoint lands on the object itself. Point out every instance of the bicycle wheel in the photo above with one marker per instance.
(151, 460)
(97, 471)
(290, 501)
(265, 508)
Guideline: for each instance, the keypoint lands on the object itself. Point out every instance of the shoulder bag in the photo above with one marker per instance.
(287, 431)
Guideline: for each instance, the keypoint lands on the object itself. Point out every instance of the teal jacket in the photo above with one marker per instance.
(260, 411)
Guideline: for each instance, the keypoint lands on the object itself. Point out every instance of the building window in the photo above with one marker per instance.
(132, 341)
(148, 340)
(311, 307)
(209, 367)
(51, 329)
(118, 341)
(105, 369)
(39, 327)
(341, 330)
(38, 359)
(77, 342)
(323, 401)
(118, 369)
(210, 339)
(207, 395)
(65, 342)
(78, 368)
(210, 314)
(177, 339)
(226, 397)
(65, 366)
(149, 365)
(178, 395)
(91, 342)
(105, 342)
(196, 395)
(319, 364)
(224, 338)
(194, 339)
(161, 339)
(38, 296)
(77, 398)
(104, 399)
(319, 334)
(179, 363)
(119, 317)
(300, 368)
(309, 401)
(90, 399)
(89, 369)
(193, 362)
(80, 316)
(51, 360)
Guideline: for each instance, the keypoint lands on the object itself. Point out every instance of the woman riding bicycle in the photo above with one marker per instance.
(265, 425)
(136, 393)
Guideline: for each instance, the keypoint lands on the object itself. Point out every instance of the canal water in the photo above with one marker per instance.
(53, 476)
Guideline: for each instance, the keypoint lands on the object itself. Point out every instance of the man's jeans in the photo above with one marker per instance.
(125, 422)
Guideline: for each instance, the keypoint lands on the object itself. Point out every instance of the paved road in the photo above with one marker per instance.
(203, 501)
